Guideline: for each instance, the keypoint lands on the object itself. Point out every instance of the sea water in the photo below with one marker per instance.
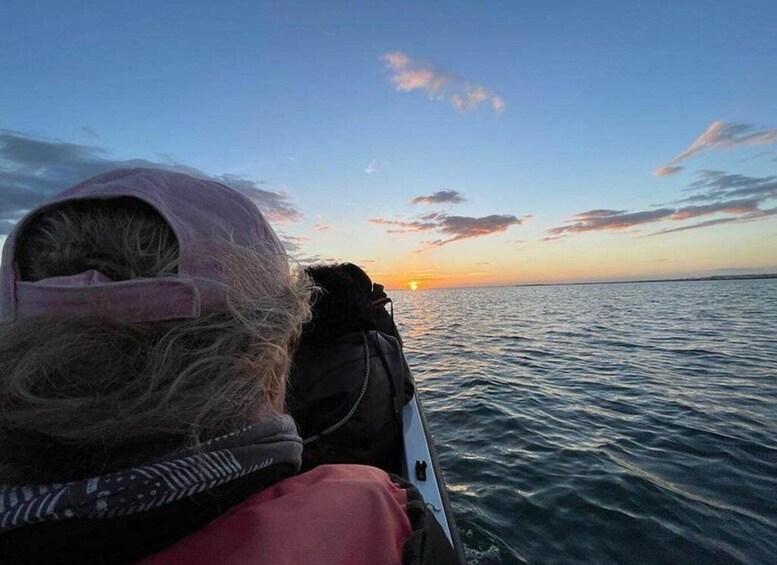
(610, 423)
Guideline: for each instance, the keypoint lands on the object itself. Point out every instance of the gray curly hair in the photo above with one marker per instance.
(85, 396)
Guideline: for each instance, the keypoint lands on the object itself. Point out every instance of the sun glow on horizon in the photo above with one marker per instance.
(413, 285)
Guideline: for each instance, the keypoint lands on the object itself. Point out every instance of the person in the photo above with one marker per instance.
(147, 319)
(348, 302)
(349, 378)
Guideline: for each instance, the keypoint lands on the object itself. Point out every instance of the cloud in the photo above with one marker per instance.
(736, 219)
(292, 243)
(275, 205)
(372, 167)
(410, 74)
(453, 228)
(498, 104)
(719, 135)
(742, 206)
(599, 220)
(440, 197)
(760, 155)
(305, 260)
(704, 224)
(667, 170)
(715, 192)
(719, 185)
(33, 169)
(722, 135)
(472, 97)
(322, 227)
(466, 227)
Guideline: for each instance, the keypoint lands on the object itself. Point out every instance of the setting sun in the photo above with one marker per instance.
(413, 285)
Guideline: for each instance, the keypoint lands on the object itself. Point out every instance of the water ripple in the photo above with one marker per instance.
(604, 423)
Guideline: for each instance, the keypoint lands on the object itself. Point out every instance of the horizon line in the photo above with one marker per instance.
(710, 278)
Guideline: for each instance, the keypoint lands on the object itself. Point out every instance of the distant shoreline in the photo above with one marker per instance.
(690, 279)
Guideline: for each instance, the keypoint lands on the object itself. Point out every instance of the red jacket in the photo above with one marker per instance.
(349, 514)
(334, 514)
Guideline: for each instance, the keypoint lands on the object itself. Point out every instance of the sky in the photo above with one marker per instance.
(437, 143)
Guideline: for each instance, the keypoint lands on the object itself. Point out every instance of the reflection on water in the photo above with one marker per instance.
(624, 423)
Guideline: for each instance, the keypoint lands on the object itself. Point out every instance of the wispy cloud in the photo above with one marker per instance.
(728, 220)
(451, 228)
(304, 260)
(719, 185)
(322, 227)
(440, 197)
(601, 220)
(472, 97)
(295, 247)
(742, 206)
(769, 154)
(293, 243)
(719, 135)
(715, 192)
(33, 169)
(723, 135)
(410, 74)
(667, 170)
(276, 205)
(372, 167)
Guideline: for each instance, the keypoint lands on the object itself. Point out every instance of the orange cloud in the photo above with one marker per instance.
(719, 192)
(667, 170)
(456, 228)
(410, 74)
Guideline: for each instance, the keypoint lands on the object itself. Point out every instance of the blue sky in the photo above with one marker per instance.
(594, 97)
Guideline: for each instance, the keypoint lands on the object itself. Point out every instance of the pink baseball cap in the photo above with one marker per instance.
(204, 216)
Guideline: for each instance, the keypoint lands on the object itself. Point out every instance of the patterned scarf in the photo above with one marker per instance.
(138, 489)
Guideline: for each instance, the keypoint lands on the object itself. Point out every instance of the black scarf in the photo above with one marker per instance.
(159, 483)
